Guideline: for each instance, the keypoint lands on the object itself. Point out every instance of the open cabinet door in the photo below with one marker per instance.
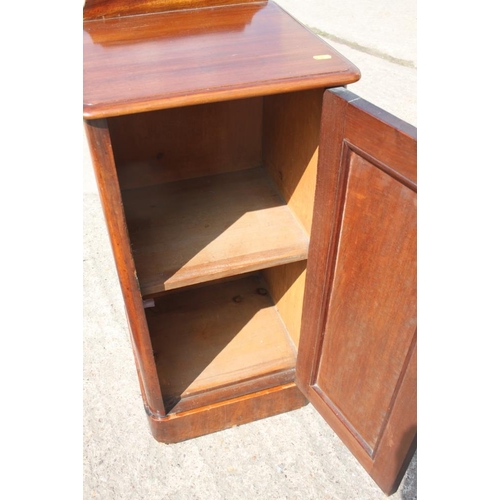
(357, 354)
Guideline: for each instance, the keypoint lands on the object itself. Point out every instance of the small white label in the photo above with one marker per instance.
(148, 303)
(322, 56)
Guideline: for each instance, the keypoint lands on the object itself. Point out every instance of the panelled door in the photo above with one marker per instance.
(357, 356)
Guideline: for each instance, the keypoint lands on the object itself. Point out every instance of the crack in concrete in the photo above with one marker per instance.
(362, 48)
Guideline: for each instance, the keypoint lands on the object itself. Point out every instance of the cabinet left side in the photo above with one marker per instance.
(109, 192)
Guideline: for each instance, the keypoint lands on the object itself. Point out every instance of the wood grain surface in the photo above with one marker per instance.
(356, 358)
(217, 336)
(237, 411)
(109, 192)
(144, 63)
(104, 9)
(206, 228)
(374, 296)
(181, 143)
(290, 141)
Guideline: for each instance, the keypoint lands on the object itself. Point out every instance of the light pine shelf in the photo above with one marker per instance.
(197, 230)
(219, 340)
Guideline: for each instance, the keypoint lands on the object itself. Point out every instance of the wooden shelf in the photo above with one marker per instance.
(219, 341)
(202, 229)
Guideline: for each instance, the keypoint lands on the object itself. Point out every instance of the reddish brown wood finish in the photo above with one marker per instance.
(227, 136)
(109, 192)
(357, 355)
(101, 9)
(143, 63)
(237, 411)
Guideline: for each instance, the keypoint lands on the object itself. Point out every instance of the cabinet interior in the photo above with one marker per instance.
(218, 200)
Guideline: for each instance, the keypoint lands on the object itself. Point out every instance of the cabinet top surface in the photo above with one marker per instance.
(153, 61)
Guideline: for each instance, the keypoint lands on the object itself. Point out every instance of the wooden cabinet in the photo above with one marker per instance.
(262, 220)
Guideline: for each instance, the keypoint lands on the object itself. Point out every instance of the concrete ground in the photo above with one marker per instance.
(290, 456)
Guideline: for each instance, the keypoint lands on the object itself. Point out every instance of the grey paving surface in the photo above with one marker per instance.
(290, 456)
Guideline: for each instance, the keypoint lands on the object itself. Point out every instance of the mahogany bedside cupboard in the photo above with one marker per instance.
(262, 220)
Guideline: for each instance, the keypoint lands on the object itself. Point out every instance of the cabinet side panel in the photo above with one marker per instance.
(291, 126)
(182, 143)
(109, 192)
(290, 148)
(286, 285)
